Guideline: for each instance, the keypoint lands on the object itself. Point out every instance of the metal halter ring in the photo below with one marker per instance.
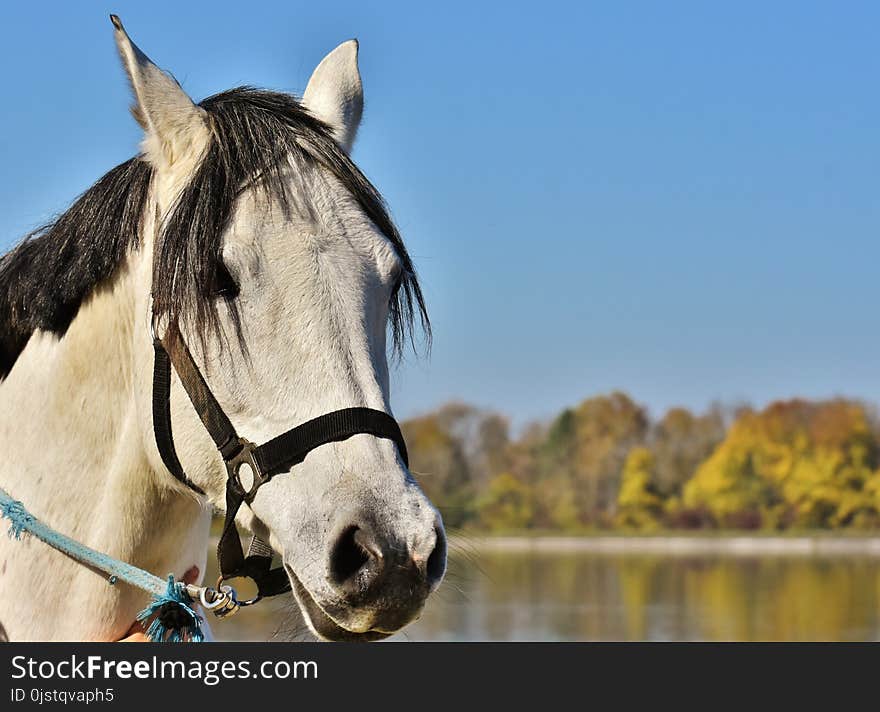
(245, 456)
(249, 602)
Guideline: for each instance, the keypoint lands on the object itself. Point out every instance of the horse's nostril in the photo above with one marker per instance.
(353, 549)
(363, 566)
(436, 566)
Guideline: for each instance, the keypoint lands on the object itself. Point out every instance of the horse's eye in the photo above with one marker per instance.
(224, 284)
(394, 290)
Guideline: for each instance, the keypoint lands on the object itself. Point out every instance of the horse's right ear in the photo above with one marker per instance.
(176, 130)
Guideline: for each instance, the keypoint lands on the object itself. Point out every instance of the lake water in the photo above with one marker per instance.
(572, 593)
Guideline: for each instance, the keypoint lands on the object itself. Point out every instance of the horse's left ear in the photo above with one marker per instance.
(335, 93)
(176, 130)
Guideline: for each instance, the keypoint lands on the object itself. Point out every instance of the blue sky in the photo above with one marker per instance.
(674, 199)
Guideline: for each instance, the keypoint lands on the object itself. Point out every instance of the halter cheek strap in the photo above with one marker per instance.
(274, 457)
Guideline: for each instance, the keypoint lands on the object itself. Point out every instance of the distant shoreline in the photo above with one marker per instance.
(676, 545)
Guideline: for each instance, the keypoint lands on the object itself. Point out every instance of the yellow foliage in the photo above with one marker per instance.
(810, 463)
(638, 505)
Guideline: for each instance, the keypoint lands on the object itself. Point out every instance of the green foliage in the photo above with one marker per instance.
(507, 505)
(579, 461)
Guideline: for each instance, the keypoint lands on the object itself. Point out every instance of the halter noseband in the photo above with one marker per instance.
(271, 458)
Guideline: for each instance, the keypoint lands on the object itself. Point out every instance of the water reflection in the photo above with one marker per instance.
(571, 595)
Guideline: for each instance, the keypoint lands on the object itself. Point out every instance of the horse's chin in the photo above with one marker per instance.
(321, 624)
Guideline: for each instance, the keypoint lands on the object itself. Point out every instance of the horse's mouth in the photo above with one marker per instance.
(321, 624)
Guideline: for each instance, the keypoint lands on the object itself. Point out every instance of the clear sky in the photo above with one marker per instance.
(675, 199)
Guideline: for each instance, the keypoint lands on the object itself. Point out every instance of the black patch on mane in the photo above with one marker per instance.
(47, 276)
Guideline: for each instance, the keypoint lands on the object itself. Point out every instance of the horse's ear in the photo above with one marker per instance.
(176, 130)
(335, 93)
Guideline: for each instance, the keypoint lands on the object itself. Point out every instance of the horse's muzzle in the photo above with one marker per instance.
(379, 583)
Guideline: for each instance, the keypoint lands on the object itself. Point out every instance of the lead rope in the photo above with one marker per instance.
(174, 619)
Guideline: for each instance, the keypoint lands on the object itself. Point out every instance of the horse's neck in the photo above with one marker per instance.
(73, 452)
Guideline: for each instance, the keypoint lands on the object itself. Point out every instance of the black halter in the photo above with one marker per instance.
(274, 457)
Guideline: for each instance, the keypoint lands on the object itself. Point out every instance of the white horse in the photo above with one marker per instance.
(279, 262)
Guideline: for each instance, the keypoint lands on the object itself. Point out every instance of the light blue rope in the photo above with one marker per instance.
(165, 594)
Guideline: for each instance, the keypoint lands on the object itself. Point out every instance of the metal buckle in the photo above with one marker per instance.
(245, 456)
(221, 601)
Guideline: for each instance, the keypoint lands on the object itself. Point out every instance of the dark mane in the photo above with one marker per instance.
(46, 277)
(44, 280)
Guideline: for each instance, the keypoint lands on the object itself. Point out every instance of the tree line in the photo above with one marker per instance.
(606, 464)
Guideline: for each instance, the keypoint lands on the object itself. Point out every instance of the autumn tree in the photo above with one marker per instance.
(680, 441)
(809, 464)
(796, 463)
(456, 452)
(438, 461)
(579, 462)
(507, 505)
(607, 427)
(639, 504)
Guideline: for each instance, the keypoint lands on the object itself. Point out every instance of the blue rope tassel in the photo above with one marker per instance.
(174, 619)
